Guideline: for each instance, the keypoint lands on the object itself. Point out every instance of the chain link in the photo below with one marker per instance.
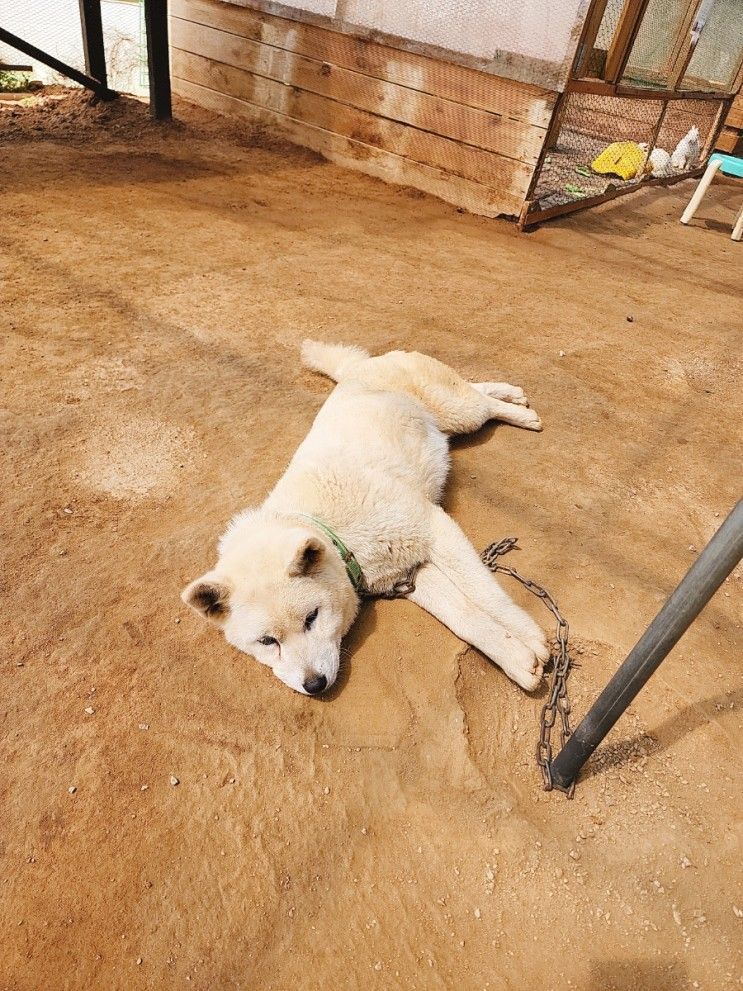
(558, 701)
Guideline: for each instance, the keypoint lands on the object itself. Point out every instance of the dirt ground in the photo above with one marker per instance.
(155, 283)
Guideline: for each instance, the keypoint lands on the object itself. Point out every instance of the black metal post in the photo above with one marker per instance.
(158, 57)
(705, 576)
(92, 26)
(54, 63)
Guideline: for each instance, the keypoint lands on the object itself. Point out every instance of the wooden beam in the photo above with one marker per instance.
(687, 50)
(624, 38)
(158, 63)
(588, 38)
(714, 132)
(600, 88)
(539, 216)
(92, 29)
(681, 41)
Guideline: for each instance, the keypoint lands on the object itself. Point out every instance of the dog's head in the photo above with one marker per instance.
(280, 592)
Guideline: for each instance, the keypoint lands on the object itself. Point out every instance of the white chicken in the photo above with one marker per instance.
(686, 153)
(660, 162)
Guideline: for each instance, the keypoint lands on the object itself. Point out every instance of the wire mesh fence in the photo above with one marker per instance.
(55, 27)
(51, 25)
(607, 143)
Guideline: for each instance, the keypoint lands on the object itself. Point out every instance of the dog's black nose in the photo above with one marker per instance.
(316, 684)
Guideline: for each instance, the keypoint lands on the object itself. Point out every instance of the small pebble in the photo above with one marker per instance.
(144, 725)
(477, 913)
(561, 353)
(143, 787)
(89, 710)
(174, 780)
(72, 790)
(630, 319)
(139, 961)
(326, 790)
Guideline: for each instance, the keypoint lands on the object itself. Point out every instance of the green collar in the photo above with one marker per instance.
(353, 568)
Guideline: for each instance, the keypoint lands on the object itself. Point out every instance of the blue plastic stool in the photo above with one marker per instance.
(728, 165)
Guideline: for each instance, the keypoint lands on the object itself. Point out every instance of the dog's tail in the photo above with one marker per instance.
(333, 360)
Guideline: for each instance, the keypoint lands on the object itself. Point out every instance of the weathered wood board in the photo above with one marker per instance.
(471, 138)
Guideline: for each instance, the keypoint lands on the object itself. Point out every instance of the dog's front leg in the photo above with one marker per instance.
(457, 588)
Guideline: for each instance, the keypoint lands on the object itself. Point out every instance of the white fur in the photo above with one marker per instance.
(660, 162)
(373, 467)
(686, 153)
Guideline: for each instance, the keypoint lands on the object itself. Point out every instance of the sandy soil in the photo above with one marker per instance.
(155, 284)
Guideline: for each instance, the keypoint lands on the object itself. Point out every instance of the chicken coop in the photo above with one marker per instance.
(518, 108)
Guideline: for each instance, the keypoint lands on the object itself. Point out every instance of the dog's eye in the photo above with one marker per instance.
(268, 641)
(310, 619)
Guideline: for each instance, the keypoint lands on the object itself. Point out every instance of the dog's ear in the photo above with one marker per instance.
(307, 557)
(208, 595)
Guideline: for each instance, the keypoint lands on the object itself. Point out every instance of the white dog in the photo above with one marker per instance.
(357, 511)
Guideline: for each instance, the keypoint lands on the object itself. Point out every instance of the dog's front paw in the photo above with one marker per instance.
(525, 668)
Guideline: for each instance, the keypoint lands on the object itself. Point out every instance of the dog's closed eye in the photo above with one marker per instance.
(269, 641)
(310, 619)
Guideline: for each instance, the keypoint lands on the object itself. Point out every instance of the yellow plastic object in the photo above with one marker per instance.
(622, 158)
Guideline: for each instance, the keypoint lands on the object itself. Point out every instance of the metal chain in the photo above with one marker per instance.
(562, 663)
(401, 589)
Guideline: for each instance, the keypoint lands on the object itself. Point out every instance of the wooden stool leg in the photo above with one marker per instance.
(699, 192)
(737, 234)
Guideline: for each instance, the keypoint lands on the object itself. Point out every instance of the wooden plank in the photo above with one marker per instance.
(730, 141)
(400, 139)
(600, 88)
(681, 44)
(587, 42)
(735, 116)
(624, 38)
(539, 216)
(470, 125)
(354, 154)
(470, 87)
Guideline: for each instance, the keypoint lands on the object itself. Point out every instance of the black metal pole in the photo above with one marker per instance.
(92, 26)
(705, 576)
(158, 57)
(54, 63)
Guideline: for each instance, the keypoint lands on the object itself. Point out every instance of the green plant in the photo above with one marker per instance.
(13, 82)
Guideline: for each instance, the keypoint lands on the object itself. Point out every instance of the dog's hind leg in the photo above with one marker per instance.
(457, 588)
(462, 411)
(502, 390)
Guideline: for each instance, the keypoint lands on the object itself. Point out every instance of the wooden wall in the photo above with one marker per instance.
(469, 137)
(731, 136)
